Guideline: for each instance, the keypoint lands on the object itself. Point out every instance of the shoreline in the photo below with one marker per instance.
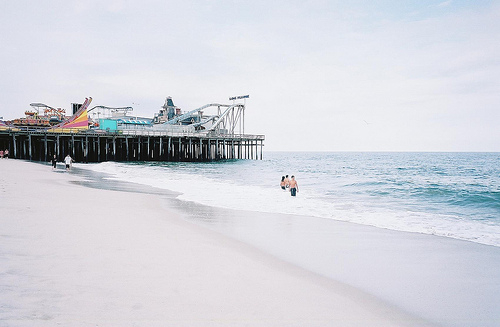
(83, 256)
(442, 279)
(450, 207)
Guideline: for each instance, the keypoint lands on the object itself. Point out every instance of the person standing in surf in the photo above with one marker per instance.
(283, 183)
(294, 186)
(287, 182)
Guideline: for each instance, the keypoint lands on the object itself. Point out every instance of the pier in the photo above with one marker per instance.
(39, 145)
(171, 135)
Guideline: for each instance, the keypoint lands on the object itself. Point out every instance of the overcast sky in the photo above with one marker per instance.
(382, 75)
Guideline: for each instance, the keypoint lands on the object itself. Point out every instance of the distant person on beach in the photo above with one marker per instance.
(294, 187)
(54, 162)
(283, 183)
(287, 182)
(68, 160)
(6, 154)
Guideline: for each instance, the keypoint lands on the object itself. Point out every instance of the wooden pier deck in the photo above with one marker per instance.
(129, 145)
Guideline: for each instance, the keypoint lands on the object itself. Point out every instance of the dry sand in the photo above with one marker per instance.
(76, 256)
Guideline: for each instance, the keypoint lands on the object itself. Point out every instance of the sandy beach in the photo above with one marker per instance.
(444, 280)
(71, 255)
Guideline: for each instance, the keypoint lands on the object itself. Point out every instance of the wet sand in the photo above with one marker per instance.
(77, 256)
(447, 281)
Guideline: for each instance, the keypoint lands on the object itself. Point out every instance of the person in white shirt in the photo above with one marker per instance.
(68, 160)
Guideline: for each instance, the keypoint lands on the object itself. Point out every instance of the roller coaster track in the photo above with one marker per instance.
(190, 113)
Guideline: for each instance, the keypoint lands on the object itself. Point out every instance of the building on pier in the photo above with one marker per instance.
(211, 132)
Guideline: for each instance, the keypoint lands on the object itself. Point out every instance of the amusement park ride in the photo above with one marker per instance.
(213, 118)
(51, 116)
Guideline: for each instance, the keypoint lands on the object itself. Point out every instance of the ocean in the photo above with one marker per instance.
(455, 195)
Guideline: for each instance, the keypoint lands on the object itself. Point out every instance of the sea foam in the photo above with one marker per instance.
(449, 195)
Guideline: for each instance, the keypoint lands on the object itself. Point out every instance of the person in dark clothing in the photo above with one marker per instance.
(54, 162)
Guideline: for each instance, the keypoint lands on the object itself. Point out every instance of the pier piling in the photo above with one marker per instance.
(41, 145)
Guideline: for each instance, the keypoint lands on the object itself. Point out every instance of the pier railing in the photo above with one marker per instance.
(134, 132)
(192, 134)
